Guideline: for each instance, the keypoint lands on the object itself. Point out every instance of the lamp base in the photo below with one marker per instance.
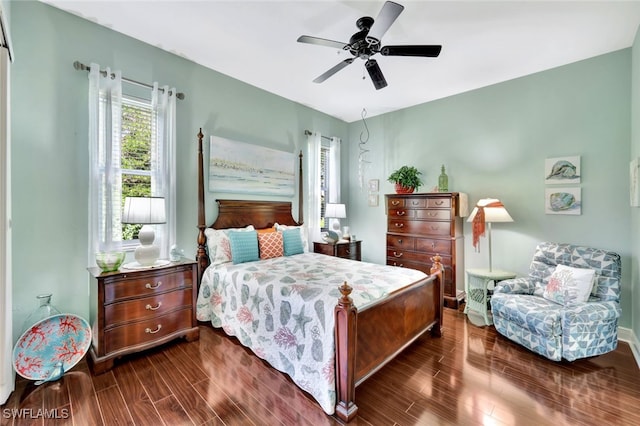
(136, 265)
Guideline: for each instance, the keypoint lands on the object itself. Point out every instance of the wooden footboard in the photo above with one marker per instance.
(367, 340)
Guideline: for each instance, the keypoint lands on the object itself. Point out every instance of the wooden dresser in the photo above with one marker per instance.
(346, 249)
(422, 225)
(136, 310)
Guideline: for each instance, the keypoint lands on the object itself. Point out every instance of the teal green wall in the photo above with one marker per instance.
(50, 156)
(494, 142)
(635, 211)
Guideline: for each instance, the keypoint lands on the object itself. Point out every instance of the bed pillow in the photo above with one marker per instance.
(266, 230)
(569, 286)
(303, 233)
(270, 244)
(244, 246)
(219, 245)
(292, 241)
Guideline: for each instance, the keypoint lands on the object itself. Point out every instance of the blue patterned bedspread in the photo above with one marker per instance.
(282, 309)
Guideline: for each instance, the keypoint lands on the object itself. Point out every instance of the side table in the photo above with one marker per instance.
(344, 249)
(477, 289)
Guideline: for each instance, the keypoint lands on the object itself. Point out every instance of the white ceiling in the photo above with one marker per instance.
(483, 43)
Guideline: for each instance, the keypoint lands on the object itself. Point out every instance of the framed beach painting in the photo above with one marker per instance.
(562, 170)
(563, 201)
(251, 169)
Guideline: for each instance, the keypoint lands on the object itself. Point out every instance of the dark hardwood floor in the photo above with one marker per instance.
(470, 376)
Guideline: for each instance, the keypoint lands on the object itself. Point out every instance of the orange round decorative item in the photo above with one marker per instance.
(403, 189)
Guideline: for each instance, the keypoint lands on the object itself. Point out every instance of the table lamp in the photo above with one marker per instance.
(335, 212)
(145, 211)
(487, 210)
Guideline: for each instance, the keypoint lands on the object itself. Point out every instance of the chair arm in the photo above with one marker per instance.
(520, 285)
(592, 312)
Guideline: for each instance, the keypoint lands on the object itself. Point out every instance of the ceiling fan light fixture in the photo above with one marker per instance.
(377, 78)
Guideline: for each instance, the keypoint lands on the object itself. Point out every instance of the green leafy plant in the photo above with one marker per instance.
(406, 176)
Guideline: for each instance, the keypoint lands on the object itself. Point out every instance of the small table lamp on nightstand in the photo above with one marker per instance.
(335, 212)
(145, 211)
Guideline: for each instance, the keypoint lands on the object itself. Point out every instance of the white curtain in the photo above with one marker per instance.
(334, 170)
(105, 114)
(313, 188)
(7, 377)
(163, 173)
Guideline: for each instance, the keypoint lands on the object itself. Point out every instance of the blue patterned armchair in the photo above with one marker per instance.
(524, 312)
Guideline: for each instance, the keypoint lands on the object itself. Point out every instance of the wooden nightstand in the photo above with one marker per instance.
(344, 249)
(136, 310)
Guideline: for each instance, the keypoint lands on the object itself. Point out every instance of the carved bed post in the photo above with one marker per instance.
(201, 253)
(300, 191)
(346, 329)
(438, 269)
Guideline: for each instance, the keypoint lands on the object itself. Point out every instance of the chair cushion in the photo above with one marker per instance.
(533, 313)
(569, 286)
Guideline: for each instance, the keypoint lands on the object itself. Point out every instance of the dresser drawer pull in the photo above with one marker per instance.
(401, 212)
(396, 254)
(398, 264)
(399, 240)
(150, 331)
(153, 287)
(433, 245)
(399, 225)
(432, 214)
(415, 203)
(153, 308)
(439, 202)
(395, 202)
(434, 228)
(348, 251)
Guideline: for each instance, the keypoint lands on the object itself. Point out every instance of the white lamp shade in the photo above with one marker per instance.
(144, 210)
(491, 214)
(337, 211)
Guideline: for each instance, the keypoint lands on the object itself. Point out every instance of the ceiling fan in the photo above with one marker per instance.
(367, 42)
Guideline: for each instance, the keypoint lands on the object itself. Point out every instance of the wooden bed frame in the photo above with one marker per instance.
(365, 340)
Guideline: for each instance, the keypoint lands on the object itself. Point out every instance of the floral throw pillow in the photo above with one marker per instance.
(569, 286)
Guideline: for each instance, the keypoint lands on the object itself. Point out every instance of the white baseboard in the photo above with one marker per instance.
(627, 335)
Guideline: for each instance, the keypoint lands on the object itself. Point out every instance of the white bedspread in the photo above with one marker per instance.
(282, 309)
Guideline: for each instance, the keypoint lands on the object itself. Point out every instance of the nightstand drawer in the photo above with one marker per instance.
(147, 285)
(147, 331)
(137, 309)
(347, 251)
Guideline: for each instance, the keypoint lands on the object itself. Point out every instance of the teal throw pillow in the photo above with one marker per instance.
(244, 246)
(292, 241)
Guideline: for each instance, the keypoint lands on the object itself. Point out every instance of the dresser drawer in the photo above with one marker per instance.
(421, 266)
(433, 214)
(402, 213)
(400, 242)
(439, 203)
(147, 331)
(147, 285)
(415, 257)
(432, 245)
(425, 227)
(146, 307)
(394, 203)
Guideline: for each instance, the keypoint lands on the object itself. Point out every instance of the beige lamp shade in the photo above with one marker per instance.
(494, 211)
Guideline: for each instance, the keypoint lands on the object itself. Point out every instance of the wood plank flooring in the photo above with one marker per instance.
(469, 376)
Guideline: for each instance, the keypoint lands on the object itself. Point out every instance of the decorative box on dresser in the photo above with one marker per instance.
(422, 225)
(133, 310)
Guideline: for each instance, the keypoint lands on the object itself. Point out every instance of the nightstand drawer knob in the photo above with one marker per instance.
(396, 254)
(153, 308)
(150, 331)
(153, 287)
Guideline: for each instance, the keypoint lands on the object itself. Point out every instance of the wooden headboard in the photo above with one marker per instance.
(240, 213)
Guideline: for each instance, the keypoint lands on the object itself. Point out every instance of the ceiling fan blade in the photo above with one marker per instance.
(333, 70)
(412, 50)
(323, 42)
(376, 74)
(387, 16)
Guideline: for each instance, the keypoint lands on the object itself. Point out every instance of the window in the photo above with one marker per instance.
(324, 183)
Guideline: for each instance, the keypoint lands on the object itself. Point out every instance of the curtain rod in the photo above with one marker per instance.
(309, 133)
(82, 67)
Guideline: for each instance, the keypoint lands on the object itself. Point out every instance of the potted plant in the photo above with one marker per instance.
(406, 178)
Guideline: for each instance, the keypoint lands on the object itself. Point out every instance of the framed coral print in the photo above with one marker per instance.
(563, 201)
(562, 170)
(374, 185)
(373, 200)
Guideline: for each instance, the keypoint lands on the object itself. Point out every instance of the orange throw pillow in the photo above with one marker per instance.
(270, 244)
